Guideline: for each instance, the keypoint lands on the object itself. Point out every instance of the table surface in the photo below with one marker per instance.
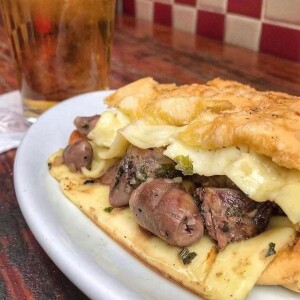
(140, 49)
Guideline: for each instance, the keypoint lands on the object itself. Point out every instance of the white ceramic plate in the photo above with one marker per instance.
(92, 261)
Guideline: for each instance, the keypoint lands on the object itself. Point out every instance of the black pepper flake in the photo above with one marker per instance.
(271, 250)
(187, 256)
(108, 209)
(89, 181)
(49, 165)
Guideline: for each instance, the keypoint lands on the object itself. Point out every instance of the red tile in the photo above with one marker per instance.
(251, 8)
(129, 7)
(163, 14)
(280, 41)
(210, 24)
(186, 2)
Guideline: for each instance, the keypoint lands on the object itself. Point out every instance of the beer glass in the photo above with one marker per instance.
(61, 48)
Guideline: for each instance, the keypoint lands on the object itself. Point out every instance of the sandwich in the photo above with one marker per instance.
(201, 182)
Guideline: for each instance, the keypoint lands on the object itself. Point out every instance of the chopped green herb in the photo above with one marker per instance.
(166, 171)
(271, 250)
(184, 164)
(108, 209)
(187, 256)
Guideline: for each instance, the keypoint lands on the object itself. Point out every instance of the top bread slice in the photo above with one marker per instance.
(219, 114)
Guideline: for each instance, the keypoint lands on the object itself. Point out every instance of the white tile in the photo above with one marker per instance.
(212, 5)
(144, 9)
(283, 10)
(242, 31)
(184, 18)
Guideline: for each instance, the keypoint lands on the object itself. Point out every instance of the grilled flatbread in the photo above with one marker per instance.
(223, 128)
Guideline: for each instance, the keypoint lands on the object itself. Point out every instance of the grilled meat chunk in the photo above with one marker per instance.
(165, 209)
(136, 167)
(230, 216)
(109, 176)
(78, 155)
(86, 124)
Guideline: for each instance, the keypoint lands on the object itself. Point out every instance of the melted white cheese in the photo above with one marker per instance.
(107, 127)
(204, 162)
(146, 136)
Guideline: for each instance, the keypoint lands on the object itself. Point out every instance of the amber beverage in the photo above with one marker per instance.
(61, 48)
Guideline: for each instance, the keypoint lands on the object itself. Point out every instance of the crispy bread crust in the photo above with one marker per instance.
(219, 114)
